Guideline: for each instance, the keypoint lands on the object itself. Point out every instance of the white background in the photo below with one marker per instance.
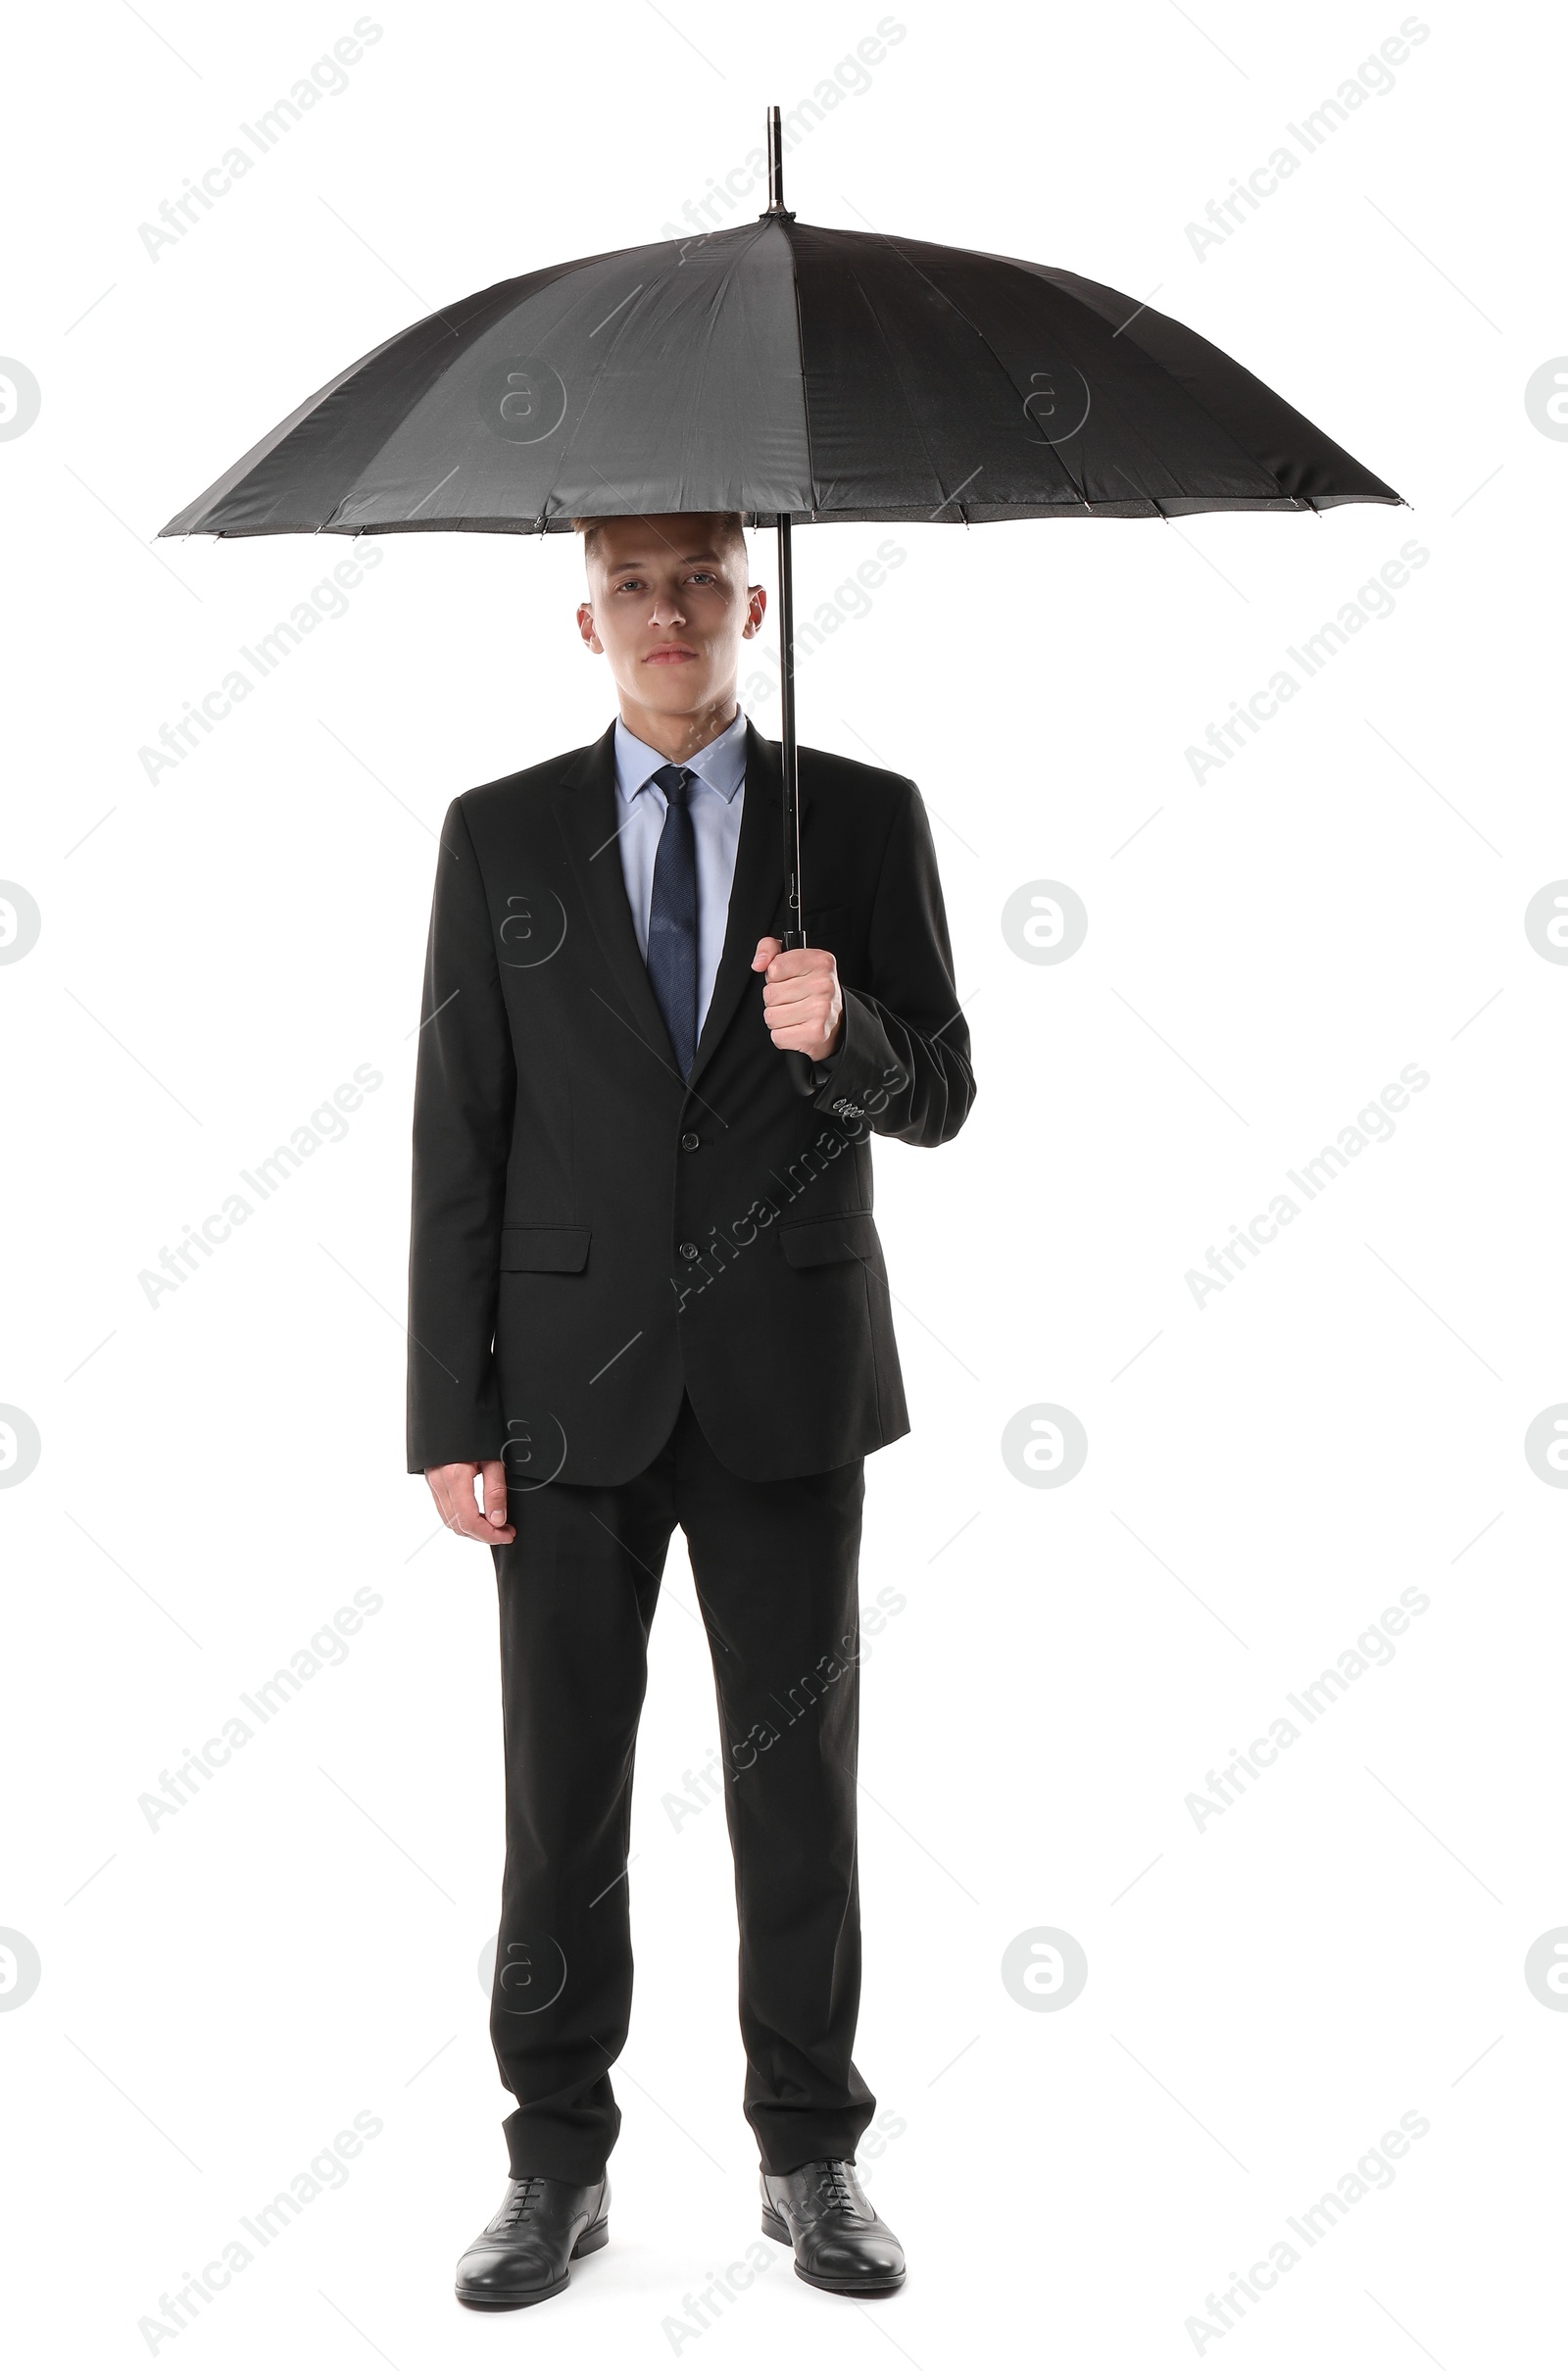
(222, 947)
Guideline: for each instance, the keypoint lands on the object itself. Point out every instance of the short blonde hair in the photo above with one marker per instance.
(731, 529)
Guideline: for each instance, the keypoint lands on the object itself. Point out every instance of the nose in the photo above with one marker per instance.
(666, 610)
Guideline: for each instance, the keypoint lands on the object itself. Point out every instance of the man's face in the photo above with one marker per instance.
(669, 606)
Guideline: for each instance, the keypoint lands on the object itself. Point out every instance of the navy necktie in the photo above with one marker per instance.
(672, 917)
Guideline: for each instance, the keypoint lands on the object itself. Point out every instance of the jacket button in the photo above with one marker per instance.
(689, 1143)
(688, 1251)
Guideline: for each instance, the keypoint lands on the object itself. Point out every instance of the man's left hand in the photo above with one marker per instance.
(803, 1004)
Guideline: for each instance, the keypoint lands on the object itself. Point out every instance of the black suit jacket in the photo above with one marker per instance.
(591, 1233)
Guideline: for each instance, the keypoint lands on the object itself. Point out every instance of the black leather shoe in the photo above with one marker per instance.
(526, 2252)
(840, 2242)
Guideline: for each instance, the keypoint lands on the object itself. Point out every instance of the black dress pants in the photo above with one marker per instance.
(776, 1566)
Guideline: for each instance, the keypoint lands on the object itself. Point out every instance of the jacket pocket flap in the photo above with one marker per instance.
(814, 1242)
(559, 1251)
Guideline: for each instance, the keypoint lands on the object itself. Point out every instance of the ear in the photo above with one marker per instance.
(756, 608)
(585, 627)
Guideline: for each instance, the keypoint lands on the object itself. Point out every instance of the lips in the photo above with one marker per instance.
(669, 655)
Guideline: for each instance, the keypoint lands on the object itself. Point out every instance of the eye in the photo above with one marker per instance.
(704, 577)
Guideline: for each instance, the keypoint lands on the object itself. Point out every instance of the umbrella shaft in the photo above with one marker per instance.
(802, 1076)
(775, 160)
(794, 934)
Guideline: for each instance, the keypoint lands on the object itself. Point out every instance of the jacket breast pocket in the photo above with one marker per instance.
(818, 1242)
(545, 1250)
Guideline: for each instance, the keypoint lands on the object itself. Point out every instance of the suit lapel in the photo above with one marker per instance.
(588, 815)
(587, 811)
(757, 891)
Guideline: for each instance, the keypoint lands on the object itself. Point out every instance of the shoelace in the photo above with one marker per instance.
(833, 2187)
(522, 2197)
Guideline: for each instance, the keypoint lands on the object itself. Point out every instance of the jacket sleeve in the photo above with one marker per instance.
(903, 1063)
(465, 1091)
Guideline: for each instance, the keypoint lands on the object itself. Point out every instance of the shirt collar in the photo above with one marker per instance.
(720, 766)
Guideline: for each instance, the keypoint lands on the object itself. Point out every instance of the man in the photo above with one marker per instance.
(646, 1289)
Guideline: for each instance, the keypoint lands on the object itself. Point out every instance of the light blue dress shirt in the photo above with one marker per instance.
(717, 796)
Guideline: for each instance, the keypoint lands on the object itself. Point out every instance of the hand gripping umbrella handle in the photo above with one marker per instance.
(798, 1068)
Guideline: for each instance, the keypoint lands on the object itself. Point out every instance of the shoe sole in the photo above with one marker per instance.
(490, 2301)
(774, 2227)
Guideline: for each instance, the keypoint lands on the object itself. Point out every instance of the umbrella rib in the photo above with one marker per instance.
(568, 451)
(469, 319)
(936, 478)
(458, 323)
(1043, 272)
(554, 284)
(976, 331)
(806, 400)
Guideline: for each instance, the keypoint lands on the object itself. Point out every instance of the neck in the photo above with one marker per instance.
(678, 738)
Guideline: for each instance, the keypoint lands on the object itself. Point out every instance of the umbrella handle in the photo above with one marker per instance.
(798, 1068)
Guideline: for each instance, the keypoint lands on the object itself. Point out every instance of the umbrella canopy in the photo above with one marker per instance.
(792, 373)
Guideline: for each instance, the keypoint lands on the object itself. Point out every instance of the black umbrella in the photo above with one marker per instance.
(794, 374)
